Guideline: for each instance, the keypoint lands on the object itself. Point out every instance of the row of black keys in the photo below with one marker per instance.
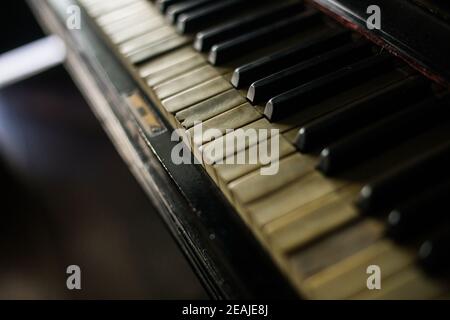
(228, 29)
(415, 194)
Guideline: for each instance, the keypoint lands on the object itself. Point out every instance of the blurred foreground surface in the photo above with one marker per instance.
(69, 199)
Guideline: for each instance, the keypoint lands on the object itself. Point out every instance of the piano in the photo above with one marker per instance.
(360, 115)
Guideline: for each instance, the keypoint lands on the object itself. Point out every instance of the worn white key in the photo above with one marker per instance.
(137, 30)
(408, 284)
(210, 108)
(147, 39)
(338, 246)
(230, 170)
(157, 48)
(185, 81)
(196, 94)
(261, 124)
(302, 191)
(253, 186)
(307, 223)
(229, 120)
(105, 7)
(129, 22)
(348, 277)
(170, 59)
(173, 71)
(124, 13)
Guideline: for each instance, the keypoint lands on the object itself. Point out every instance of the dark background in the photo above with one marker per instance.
(68, 198)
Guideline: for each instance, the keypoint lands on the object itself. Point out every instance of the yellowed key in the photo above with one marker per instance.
(306, 224)
(123, 25)
(210, 108)
(129, 22)
(254, 186)
(299, 193)
(185, 81)
(105, 7)
(136, 30)
(408, 284)
(345, 279)
(261, 125)
(217, 126)
(147, 39)
(132, 10)
(176, 70)
(90, 3)
(166, 61)
(336, 247)
(233, 167)
(196, 94)
(157, 48)
(229, 170)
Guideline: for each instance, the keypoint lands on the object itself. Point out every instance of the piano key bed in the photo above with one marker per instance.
(364, 140)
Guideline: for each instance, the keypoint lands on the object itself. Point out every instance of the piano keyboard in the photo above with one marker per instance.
(364, 140)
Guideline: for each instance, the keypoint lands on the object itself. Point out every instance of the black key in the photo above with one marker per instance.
(164, 4)
(284, 80)
(315, 91)
(195, 20)
(335, 125)
(375, 139)
(434, 254)
(174, 11)
(420, 213)
(308, 48)
(263, 37)
(207, 38)
(398, 184)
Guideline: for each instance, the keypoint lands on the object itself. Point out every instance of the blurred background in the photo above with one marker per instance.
(69, 199)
